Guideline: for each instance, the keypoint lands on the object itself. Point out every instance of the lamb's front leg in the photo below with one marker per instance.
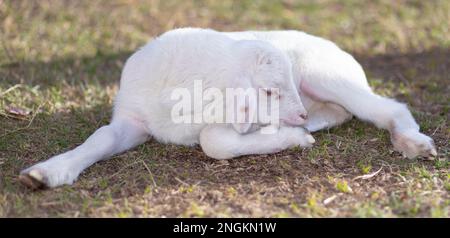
(223, 142)
(120, 135)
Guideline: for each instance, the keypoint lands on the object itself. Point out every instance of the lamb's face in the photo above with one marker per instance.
(273, 76)
(268, 71)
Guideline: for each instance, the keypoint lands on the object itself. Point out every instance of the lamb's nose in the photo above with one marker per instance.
(303, 116)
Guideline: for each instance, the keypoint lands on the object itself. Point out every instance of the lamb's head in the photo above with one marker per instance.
(269, 70)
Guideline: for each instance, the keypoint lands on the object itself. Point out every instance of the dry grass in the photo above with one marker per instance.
(61, 61)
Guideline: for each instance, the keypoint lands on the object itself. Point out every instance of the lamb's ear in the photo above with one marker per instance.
(243, 106)
(254, 53)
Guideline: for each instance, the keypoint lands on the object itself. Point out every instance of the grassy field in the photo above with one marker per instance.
(60, 63)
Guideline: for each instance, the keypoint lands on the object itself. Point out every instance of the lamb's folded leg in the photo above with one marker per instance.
(223, 142)
(122, 134)
(325, 115)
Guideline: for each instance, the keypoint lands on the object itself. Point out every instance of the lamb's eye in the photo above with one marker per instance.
(268, 92)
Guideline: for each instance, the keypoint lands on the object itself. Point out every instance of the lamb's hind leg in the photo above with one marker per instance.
(323, 115)
(223, 142)
(122, 134)
(383, 112)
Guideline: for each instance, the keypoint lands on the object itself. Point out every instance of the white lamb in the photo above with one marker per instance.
(330, 83)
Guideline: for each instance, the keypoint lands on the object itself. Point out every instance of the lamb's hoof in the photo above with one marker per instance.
(32, 179)
(414, 144)
(310, 139)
